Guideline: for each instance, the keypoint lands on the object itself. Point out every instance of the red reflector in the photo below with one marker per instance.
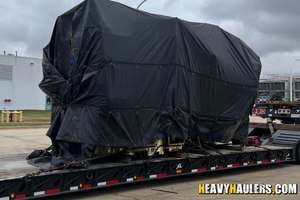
(283, 111)
(111, 182)
(161, 175)
(279, 110)
(254, 111)
(235, 165)
(20, 196)
(255, 101)
(277, 160)
(52, 191)
(258, 111)
(257, 115)
(200, 170)
(140, 178)
(87, 186)
(220, 167)
(251, 163)
(264, 161)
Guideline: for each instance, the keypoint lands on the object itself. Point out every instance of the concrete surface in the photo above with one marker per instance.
(25, 127)
(257, 119)
(261, 120)
(182, 187)
(15, 141)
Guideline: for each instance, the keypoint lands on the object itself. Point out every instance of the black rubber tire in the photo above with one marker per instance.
(297, 154)
(276, 98)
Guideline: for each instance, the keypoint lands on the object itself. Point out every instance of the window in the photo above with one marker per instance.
(5, 72)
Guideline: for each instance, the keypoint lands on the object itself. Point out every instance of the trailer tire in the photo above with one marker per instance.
(297, 154)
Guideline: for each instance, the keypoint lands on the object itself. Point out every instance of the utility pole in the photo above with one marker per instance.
(291, 79)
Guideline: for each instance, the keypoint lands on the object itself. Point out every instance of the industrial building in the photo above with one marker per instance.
(280, 84)
(19, 80)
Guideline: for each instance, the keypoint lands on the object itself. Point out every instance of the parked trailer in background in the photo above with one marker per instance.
(286, 111)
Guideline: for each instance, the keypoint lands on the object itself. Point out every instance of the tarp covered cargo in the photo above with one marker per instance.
(123, 77)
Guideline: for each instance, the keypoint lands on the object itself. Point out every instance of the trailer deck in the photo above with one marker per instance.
(16, 166)
(106, 173)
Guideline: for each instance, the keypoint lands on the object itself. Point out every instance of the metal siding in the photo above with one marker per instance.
(23, 89)
(5, 72)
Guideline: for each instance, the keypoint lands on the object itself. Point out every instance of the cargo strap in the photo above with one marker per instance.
(270, 124)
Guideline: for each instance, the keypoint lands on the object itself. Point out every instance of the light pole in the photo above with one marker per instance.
(141, 4)
(291, 79)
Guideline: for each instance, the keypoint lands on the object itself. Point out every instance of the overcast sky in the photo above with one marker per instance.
(270, 27)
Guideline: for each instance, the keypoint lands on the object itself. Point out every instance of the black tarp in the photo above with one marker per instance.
(123, 77)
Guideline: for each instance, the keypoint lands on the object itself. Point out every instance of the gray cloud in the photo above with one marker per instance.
(270, 27)
(26, 26)
(277, 21)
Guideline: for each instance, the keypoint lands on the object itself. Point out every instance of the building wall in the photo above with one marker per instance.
(280, 84)
(22, 90)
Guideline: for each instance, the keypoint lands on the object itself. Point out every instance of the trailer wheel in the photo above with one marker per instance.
(297, 154)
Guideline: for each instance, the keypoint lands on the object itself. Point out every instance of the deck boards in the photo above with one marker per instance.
(292, 127)
(15, 165)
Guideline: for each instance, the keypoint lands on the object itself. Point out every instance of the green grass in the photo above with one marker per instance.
(31, 118)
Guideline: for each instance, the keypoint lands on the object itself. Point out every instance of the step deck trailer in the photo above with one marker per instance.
(283, 146)
(287, 111)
